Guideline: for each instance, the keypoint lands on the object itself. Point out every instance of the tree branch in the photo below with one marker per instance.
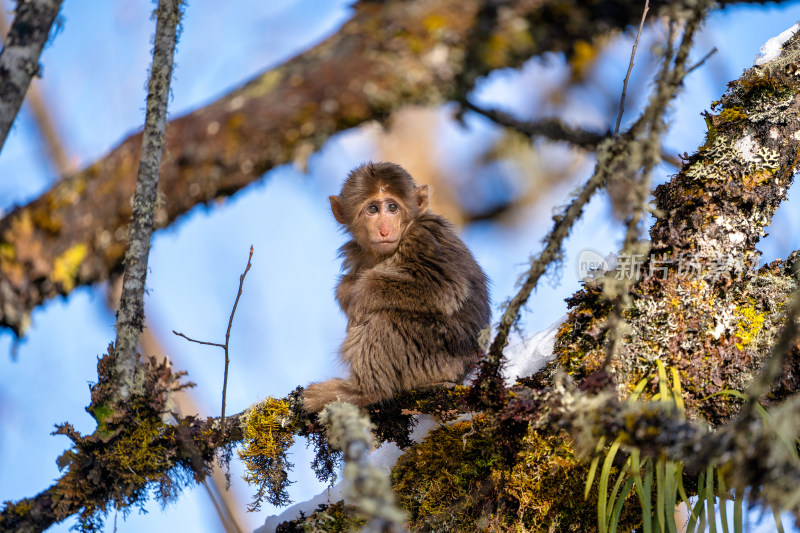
(348, 430)
(488, 382)
(699, 304)
(19, 59)
(188, 442)
(552, 129)
(75, 234)
(45, 122)
(130, 311)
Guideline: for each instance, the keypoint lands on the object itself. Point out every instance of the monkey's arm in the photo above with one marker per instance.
(391, 351)
(417, 290)
(344, 291)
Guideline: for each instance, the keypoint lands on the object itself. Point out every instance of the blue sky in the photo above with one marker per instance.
(287, 327)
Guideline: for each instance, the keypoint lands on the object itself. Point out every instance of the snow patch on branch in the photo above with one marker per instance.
(530, 356)
(771, 49)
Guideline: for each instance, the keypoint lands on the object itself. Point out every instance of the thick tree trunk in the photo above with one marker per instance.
(699, 305)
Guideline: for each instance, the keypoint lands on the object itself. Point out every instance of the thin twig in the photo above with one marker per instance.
(630, 68)
(197, 341)
(130, 312)
(700, 63)
(228, 333)
(551, 128)
(225, 346)
(224, 500)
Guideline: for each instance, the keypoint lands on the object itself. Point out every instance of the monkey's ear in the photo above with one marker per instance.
(421, 193)
(336, 209)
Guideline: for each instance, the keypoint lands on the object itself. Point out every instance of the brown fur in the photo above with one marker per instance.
(413, 314)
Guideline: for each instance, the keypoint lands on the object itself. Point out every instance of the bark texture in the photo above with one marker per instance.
(130, 311)
(699, 305)
(19, 59)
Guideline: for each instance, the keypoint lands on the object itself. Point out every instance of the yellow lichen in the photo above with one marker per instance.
(758, 178)
(7, 252)
(733, 114)
(583, 58)
(264, 84)
(46, 217)
(269, 429)
(750, 324)
(21, 508)
(66, 265)
(499, 47)
(434, 22)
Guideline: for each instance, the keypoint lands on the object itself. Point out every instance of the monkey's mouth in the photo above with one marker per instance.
(385, 246)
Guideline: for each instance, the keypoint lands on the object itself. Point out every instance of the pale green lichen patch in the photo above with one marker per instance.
(264, 84)
(725, 159)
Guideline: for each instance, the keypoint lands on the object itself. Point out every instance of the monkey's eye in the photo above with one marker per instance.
(372, 209)
(392, 208)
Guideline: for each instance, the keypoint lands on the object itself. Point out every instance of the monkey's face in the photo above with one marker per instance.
(377, 207)
(383, 219)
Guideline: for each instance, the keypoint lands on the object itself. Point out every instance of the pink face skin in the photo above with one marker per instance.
(379, 223)
(385, 219)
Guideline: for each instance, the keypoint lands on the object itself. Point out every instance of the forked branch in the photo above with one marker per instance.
(227, 336)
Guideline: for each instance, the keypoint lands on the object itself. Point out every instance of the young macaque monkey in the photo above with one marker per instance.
(414, 297)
